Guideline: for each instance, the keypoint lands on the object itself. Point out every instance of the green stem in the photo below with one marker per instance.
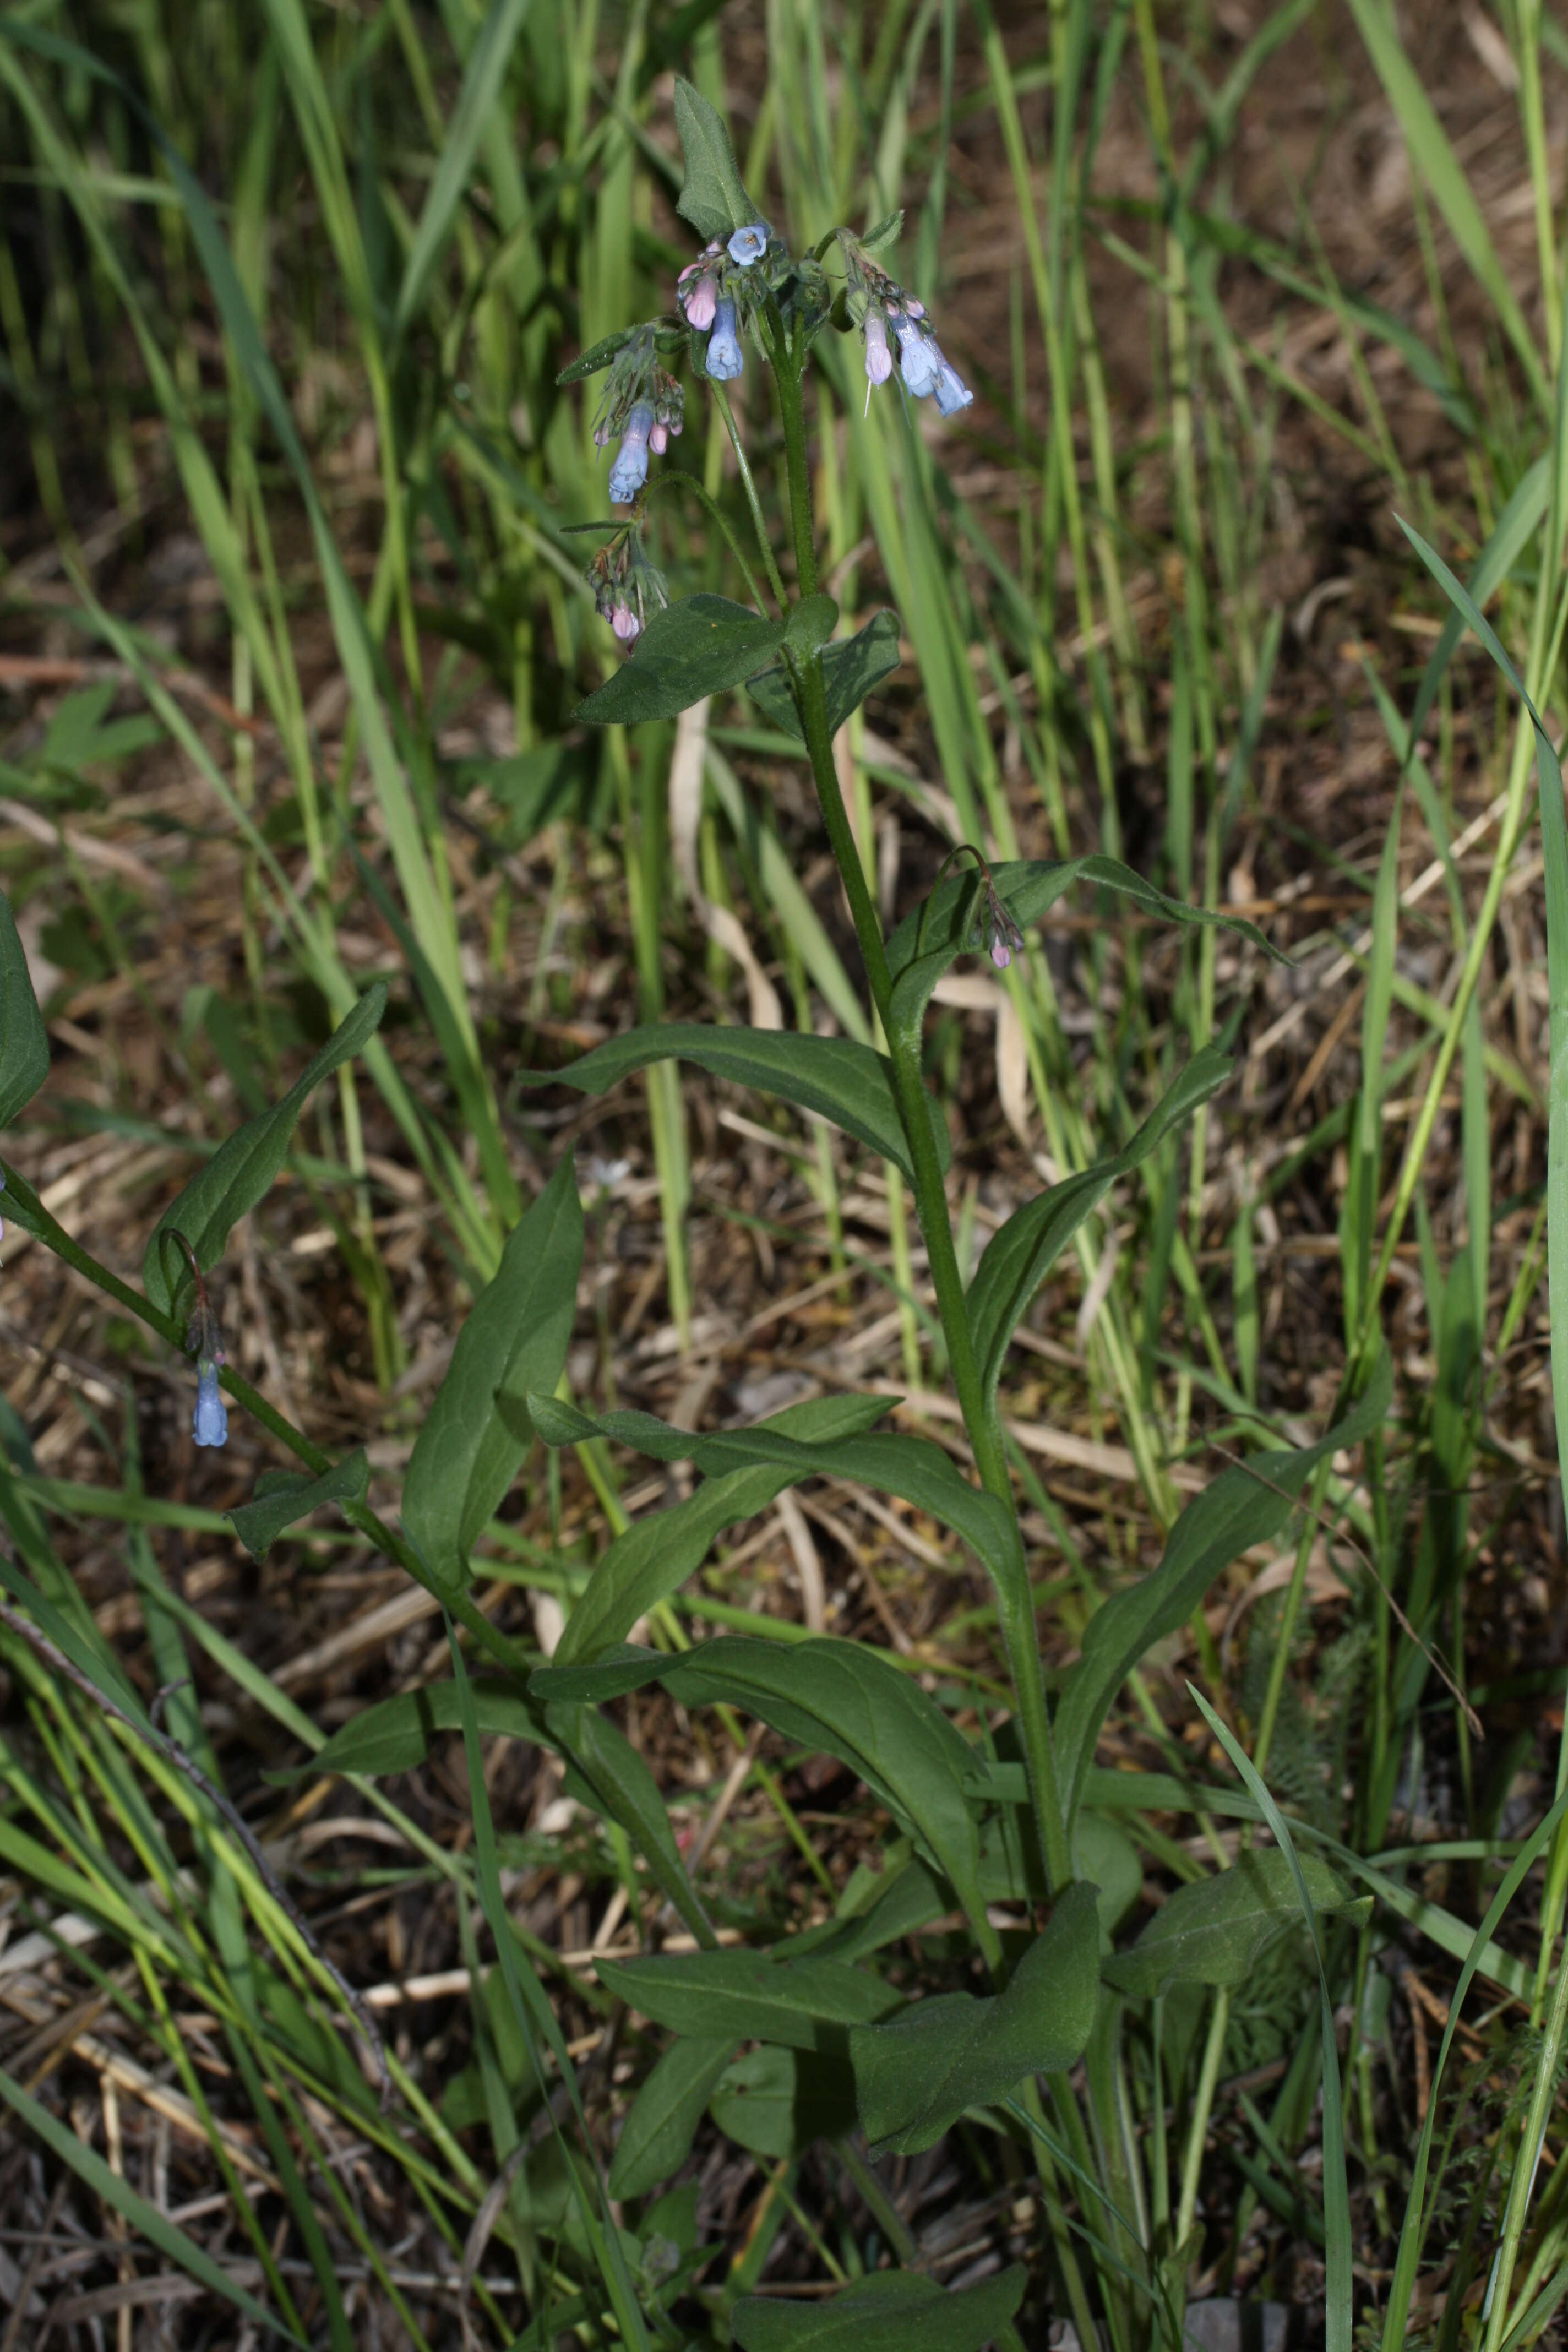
(30, 1212)
(776, 579)
(672, 474)
(1016, 1611)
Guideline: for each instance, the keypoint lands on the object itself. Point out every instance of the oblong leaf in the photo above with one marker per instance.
(477, 1431)
(805, 2004)
(658, 2134)
(847, 1083)
(243, 1167)
(694, 647)
(851, 667)
(1021, 1252)
(283, 1497)
(892, 2311)
(916, 2075)
(1215, 1931)
(778, 2103)
(714, 198)
(24, 1043)
(1247, 1504)
(656, 1555)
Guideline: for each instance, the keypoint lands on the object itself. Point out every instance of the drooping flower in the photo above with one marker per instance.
(879, 358)
(724, 359)
(749, 244)
(210, 1426)
(920, 360)
(951, 393)
(700, 301)
(629, 471)
(659, 439)
(625, 621)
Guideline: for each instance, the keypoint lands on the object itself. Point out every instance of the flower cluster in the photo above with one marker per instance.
(204, 1341)
(624, 585)
(883, 308)
(999, 933)
(712, 294)
(645, 405)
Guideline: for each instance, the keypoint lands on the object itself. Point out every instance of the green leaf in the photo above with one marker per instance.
(1021, 1253)
(918, 957)
(917, 2075)
(1247, 1504)
(399, 1734)
(833, 1696)
(714, 199)
(465, 1454)
(807, 2004)
(886, 232)
(842, 1081)
(851, 666)
(809, 624)
(482, 82)
(1215, 1931)
(242, 1169)
(892, 2311)
(694, 647)
(653, 1557)
(24, 1045)
(658, 2134)
(777, 2102)
(282, 1497)
(589, 362)
(910, 1468)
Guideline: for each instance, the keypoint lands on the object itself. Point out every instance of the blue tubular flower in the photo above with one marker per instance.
(629, 471)
(749, 245)
(211, 1423)
(918, 358)
(724, 359)
(951, 393)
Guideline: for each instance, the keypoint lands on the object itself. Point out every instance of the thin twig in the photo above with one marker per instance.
(172, 1753)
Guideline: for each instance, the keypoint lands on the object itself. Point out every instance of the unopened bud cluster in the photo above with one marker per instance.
(713, 293)
(625, 585)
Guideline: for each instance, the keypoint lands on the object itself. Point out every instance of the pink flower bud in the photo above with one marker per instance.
(879, 358)
(625, 622)
(700, 302)
(1000, 953)
(657, 439)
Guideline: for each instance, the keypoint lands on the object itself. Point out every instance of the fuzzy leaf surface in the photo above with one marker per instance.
(915, 2076)
(847, 1083)
(282, 1497)
(466, 1452)
(23, 1043)
(1215, 1931)
(241, 1170)
(1247, 1504)
(714, 198)
(694, 647)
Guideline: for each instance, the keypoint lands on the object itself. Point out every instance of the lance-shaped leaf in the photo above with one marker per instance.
(399, 1734)
(656, 1555)
(1215, 1931)
(892, 2311)
(842, 1081)
(694, 647)
(915, 2076)
(514, 1341)
(1247, 1504)
(24, 1045)
(834, 1697)
(805, 2004)
(927, 940)
(910, 1468)
(283, 1497)
(1021, 1253)
(242, 1169)
(714, 198)
(658, 2134)
(589, 362)
(851, 666)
